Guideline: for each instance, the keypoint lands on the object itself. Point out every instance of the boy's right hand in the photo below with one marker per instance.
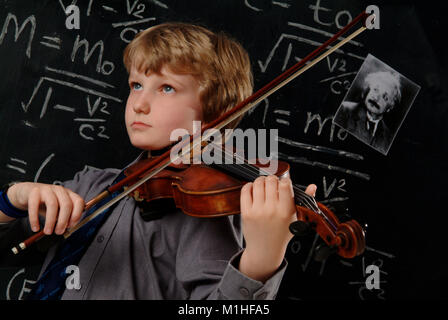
(61, 207)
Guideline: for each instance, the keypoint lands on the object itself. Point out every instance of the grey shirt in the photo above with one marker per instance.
(174, 257)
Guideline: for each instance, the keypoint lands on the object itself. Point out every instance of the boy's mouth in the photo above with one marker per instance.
(138, 124)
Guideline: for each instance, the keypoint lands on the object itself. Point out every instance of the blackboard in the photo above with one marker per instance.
(63, 92)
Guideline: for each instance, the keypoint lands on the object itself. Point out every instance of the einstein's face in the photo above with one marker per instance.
(379, 98)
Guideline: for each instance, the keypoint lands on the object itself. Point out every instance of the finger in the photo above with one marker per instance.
(52, 208)
(246, 197)
(78, 209)
(65, 209)
(285, 190)
(271, 188)
(33, 209)
(311, 190)
(258, 192)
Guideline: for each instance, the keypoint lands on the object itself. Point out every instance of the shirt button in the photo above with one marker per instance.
(100, 238)
(261, 296)
(244, 292)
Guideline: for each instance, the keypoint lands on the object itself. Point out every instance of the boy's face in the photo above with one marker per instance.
(158, 104)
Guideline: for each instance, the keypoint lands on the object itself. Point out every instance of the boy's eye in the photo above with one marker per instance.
(167, 89)
(136, 86)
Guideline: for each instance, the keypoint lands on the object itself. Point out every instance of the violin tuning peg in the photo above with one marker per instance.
(323, 251)
(300, 228)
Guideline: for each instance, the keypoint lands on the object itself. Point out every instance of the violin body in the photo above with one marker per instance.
(198, 190)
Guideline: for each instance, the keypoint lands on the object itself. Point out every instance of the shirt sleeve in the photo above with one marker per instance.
(90, 181)
(237, 286)
(207, 262)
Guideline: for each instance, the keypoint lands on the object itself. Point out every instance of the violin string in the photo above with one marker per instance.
(302, 196)
(253, 172)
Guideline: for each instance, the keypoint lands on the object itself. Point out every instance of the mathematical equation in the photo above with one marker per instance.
(91, 119)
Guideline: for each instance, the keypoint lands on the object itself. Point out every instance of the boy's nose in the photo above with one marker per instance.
(142, 105)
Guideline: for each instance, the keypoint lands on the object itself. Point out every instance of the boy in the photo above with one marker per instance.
(178, 73)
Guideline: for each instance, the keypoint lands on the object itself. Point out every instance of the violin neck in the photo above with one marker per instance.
(250, 172)
(238, 167)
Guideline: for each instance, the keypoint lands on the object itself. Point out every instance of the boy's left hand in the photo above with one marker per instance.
(267, 209)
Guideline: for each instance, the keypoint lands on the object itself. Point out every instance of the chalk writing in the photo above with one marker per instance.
(281, 4)
(15, 165)
(30, 21)
(25, 287)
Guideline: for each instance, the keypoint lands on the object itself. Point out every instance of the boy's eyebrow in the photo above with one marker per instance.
(132, 77)
(162, 77)
(173, 79)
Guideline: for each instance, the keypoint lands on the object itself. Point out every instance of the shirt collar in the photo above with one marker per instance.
(372, 122)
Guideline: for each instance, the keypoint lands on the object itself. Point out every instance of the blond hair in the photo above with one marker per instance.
(218, 62)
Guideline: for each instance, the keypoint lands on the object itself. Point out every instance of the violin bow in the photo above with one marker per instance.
(164, 160)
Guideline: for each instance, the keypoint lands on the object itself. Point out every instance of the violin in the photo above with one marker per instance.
(197, 194)
(205, 191)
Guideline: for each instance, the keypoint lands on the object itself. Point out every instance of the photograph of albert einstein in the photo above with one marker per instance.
(376, 104)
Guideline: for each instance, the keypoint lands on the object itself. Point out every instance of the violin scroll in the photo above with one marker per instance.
(347, 239)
